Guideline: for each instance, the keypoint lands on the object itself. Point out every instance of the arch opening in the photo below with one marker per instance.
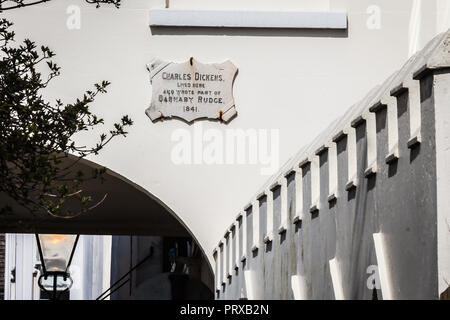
(141, 226)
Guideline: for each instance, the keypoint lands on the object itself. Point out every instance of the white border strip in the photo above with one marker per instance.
(336, 279)
(383, 267)
(248, 280)
(298, 287)
(247, 19)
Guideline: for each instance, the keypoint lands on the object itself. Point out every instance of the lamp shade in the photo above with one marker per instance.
(57, 251)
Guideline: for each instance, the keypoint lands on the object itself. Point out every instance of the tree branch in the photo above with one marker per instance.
(22, 3)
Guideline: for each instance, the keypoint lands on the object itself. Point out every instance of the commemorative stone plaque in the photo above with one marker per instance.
(191, 90)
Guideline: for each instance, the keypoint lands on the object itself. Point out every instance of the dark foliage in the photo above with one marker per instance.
(37, 149)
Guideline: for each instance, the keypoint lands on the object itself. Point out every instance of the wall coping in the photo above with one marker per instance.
(247, 19)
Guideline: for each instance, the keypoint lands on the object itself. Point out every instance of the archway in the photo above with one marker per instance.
(129, 213)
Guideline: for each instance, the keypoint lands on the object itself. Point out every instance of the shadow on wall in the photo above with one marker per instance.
(445, 295)
(250, 32)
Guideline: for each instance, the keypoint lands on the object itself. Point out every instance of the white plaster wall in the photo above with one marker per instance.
(294, 81)
(91, 267)
(21, 255)
(442, 115)
(250, 4)
(443, 15)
